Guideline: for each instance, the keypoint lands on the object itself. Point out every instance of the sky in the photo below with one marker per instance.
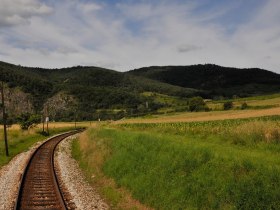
(128, 34)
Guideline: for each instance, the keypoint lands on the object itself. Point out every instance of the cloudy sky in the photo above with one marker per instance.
(127, 34)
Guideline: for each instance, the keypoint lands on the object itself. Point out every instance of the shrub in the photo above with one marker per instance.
(197, 104)
(228, 105)
(27, 120)
(244, 105)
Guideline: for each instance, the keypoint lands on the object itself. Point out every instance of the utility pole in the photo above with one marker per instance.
(4, 119)
(43, 120)
(47, 119)
(76, 119)
(75, 115)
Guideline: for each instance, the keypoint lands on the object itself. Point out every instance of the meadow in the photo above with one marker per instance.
(224, 164)
(256, 102)
(173, 104)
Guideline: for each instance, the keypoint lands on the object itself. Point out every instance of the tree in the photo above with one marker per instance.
(27, 120)
(228, 105)
(197, 104)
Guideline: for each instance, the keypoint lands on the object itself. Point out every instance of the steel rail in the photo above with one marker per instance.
(39, 187)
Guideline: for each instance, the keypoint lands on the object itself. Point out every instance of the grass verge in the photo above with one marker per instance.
(91, 155)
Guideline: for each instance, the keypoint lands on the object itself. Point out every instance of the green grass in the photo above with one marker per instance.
(20, 141)
(165, 167)
(176, 104)
(90, 156)
(256, 102)
(171, 103)
(261, 97)
(237, 131)
(179, 173)
(166, 99)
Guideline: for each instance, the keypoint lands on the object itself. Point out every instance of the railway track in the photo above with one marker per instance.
(39, 187)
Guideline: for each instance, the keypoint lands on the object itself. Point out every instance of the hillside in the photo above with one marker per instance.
(215, 80)
(88, 93)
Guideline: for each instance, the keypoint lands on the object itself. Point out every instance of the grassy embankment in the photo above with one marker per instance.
(20, 141)
(91, 156)
(230, 164)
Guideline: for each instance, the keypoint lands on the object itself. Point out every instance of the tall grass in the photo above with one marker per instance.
(248, 131)
(229, 164)
(19, 141)
(174, 172)
(91, 155)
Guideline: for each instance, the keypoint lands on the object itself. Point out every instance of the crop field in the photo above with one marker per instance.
(203, 116)
(222, 164)
(260, 128)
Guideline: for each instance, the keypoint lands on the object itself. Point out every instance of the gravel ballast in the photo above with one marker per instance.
(10, 176)
(77, 192)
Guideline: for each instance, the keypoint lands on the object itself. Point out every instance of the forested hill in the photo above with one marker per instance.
(214, 79)
(88, 91)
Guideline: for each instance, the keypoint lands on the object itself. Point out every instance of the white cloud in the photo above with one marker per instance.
(15, 12)
(91, 7)
(259, 39)
(134, 35)
(185, 48)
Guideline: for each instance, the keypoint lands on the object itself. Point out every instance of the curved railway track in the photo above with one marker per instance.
(39, 187)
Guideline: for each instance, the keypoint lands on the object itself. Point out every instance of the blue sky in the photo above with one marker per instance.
(128, 34)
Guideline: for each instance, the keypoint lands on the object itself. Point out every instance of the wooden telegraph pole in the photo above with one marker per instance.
(76, 119)
(75, 116)
(47, 119)
(43, 121)
(4, 119)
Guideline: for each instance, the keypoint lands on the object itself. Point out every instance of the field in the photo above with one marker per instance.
(203, 116)
(173, 104)
(225, 164)
(203, 160)
(258, 102)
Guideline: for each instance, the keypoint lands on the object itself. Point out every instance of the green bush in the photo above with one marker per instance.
(27, 120)
(228, 105)
(244, 105)
(197, 104)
